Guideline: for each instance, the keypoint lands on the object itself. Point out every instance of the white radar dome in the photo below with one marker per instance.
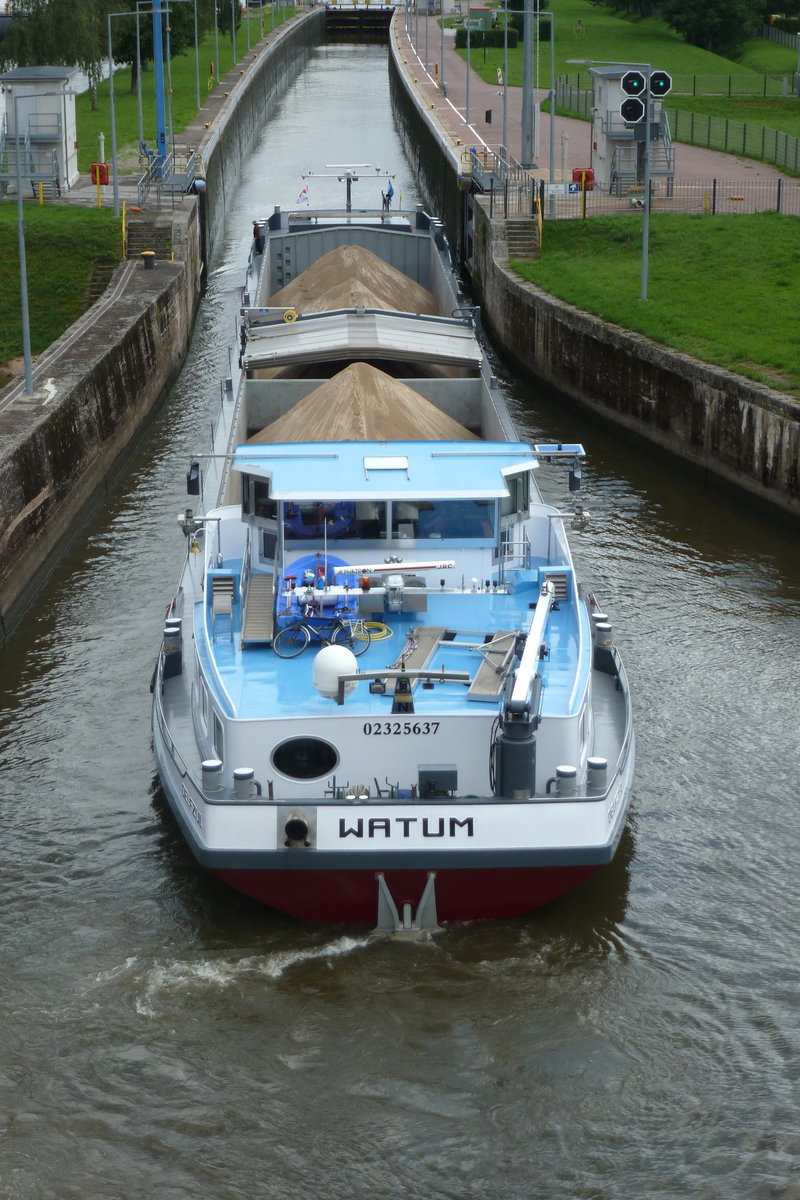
(329, 664)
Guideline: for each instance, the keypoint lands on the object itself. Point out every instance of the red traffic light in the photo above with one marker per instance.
(634, 83)
(632, 110)
(660, 83)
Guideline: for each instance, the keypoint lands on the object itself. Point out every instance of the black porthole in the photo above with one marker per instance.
(305, 758)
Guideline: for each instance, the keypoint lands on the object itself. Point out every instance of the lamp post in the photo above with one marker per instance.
(552, 102)
(648, 110)
(114, 165)
(505, 82)
(427, 15)
(469, 69)
(647, 71)
(441, 54)
(526, 145)
(196, 59)
(23, 267)
(139, 73)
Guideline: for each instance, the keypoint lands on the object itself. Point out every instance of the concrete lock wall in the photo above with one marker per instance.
(742, 432)
(58, 449)
(241, 124)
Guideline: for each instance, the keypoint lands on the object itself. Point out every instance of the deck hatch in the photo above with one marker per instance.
(395, 462)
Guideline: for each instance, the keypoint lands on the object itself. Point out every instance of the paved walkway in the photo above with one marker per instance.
(461, 117)
(692, 163)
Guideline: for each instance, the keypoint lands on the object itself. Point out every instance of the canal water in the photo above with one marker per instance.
(160, 1036)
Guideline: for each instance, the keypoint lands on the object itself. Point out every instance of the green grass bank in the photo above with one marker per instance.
(70, 255)
(723, 289)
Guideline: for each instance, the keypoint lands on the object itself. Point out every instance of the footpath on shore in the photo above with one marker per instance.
(427, 53)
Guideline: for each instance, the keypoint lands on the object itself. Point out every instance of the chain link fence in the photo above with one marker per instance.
(527, 198)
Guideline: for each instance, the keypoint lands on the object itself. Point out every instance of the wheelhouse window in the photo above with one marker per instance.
(256, 500)
(443, 519)
(519, 494)
(263, 506)
(334, 520)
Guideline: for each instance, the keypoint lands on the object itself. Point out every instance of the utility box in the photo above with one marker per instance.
(584, 176)
(617, 144)
(40, 122)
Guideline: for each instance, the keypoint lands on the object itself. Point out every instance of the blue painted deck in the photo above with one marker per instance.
(256, 684)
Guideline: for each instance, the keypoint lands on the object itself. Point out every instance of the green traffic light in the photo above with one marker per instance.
(633, 83)
(660, 83)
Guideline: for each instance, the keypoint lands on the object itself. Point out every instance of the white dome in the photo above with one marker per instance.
(329, 664)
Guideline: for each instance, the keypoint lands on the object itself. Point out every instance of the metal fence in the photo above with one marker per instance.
(781, 36)
(746, 84)
(713, 197)
(736, 137)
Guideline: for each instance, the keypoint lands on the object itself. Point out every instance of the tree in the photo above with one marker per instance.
(66, 33)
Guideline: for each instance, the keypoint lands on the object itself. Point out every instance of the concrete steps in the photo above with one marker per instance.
(149, 232)
(522, 237)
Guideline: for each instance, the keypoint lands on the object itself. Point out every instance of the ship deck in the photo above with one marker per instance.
(254, 683)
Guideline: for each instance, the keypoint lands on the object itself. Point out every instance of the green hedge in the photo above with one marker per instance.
(489, 37)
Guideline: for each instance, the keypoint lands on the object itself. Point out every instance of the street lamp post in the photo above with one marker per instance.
(23, 267)
(139, 73)
(647, 71)
(526, 147)
(427, 15)
(114, 164)
(441, 55)
(505, 82)
(648, 111)
(469, 69)
(196, 58)
(552, 102)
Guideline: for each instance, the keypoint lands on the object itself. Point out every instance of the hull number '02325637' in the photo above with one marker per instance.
(399, 728)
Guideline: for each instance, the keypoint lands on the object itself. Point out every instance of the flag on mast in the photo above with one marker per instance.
(303, 197)
(390, 190)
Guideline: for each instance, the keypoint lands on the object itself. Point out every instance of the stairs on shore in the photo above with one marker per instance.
(522, 237)
(148, 232)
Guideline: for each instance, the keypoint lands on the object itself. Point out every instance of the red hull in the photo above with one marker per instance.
(351, 897)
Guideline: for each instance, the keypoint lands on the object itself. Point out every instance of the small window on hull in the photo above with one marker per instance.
(305, 758)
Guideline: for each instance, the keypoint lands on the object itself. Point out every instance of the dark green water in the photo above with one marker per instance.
(159, 1036)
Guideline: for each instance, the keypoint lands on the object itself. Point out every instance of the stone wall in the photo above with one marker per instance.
(742, 432)
(242, 122)
(60, 447)
(113, 366)
(746, 434)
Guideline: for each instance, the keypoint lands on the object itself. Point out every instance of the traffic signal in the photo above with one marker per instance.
(660, 83)
(635, 84)
(632, 110)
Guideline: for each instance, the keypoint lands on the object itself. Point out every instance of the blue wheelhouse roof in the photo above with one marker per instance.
(385, 470)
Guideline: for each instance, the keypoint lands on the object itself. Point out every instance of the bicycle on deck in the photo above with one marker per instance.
(333, 631)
